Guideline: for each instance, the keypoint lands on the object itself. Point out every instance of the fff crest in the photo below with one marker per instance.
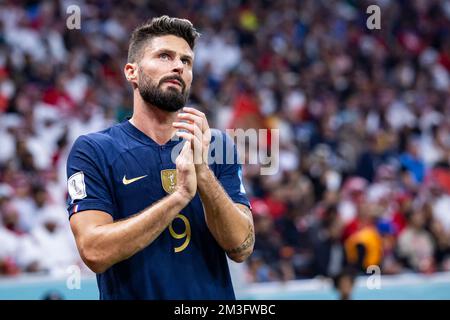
(169, 180)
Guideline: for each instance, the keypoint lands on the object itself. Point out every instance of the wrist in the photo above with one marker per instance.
(202, 171)
(182, 197)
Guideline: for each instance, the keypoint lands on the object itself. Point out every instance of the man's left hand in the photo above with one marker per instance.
(197, 131)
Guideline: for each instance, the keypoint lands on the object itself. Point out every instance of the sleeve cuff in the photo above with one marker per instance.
(89, 205)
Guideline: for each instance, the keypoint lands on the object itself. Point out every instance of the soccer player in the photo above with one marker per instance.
(148, 226)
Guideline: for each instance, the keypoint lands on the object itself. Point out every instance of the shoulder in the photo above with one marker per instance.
(95, 142)
(216, 134)
(224, 156)
(104, 138)
(222, 146)
(220, 136)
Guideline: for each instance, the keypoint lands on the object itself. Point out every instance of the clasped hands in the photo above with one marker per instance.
(197, 132)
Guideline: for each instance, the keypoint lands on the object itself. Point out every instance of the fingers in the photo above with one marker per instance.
(195, 145)
(186, 148)
(192, 134)
(196, 131)
(186, 152)
(187, 126)
(194, 142)
(190, 128)
(190, 117)
(195, 116)
(187, 136)
(186, 180)
(194, 111)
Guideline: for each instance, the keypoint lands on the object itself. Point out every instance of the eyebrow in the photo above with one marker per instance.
(184, 56)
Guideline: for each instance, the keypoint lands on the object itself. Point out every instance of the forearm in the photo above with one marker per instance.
(231, 226)
(117, 241)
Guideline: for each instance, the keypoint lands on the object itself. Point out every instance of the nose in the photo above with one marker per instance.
(178, 66)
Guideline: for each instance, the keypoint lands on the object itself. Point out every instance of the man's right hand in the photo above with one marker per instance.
(186, 177)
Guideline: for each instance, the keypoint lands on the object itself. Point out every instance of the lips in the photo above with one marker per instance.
(174, 82)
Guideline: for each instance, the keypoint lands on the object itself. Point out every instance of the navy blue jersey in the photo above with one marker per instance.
(122, 171)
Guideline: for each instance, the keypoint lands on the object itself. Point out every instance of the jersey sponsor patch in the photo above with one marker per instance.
(76, 186)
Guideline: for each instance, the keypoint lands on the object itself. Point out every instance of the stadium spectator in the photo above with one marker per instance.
(344, 283)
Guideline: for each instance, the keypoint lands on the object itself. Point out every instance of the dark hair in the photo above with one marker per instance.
(160, 26)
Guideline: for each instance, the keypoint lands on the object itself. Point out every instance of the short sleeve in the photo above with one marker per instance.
(87, 183)
(230, 174)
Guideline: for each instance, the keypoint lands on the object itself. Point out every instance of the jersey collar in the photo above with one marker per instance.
(142, 137)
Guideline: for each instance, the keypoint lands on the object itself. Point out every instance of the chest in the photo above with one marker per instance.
(141, 177)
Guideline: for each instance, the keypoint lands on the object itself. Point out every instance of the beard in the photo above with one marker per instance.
(170, 100)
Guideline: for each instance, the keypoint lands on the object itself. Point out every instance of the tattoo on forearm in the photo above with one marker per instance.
(249, 214)
(246, 211)
(248, 242)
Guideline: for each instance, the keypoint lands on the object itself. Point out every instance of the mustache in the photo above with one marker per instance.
(174, 77)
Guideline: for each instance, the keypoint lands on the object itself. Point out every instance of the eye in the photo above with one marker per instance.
(186, 62)
(164, 56)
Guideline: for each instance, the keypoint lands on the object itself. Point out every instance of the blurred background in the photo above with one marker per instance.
(364, 120)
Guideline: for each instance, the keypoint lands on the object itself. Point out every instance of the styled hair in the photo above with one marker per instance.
(160, 26)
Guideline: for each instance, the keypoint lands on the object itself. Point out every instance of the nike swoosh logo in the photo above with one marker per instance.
(126, 181)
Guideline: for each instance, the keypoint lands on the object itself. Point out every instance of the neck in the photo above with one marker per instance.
(154, 122)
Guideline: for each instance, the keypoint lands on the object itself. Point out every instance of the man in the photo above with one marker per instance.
(151, 228)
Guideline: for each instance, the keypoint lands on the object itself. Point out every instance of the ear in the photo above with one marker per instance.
(131, 72)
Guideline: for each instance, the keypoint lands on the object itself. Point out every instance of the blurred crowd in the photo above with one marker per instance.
(364, 120)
